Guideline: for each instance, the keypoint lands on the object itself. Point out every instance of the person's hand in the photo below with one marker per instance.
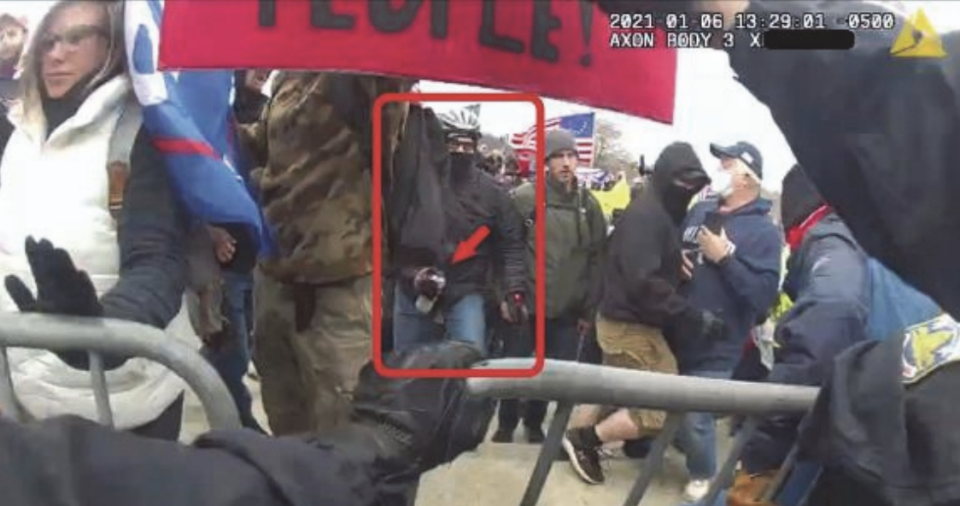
(419, 423)
(505, 311)
(216, 341)
(687, 267)
(515, 310)
(61, 287)
(224, 244)
(715, 247)
(426, 282)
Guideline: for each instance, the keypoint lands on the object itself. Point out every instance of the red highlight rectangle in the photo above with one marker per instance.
(540, 236)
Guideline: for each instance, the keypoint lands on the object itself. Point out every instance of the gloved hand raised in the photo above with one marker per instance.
(62, 289)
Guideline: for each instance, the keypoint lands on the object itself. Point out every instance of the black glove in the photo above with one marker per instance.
(517, 307)
(62, 289)
(711, 326)
(416, 424)
(428, 282)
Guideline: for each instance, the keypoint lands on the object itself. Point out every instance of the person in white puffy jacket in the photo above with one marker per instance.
(80, 209)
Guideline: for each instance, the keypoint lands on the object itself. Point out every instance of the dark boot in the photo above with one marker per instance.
(508, 417)
(535, 434)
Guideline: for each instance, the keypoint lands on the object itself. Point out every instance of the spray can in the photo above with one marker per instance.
(425, 304)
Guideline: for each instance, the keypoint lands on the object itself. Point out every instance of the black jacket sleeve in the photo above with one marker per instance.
(512, 242)
(152, 232)
(877, 135)
(656, 298)
(70, 461)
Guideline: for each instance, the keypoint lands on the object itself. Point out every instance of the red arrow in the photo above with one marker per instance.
(467, 248)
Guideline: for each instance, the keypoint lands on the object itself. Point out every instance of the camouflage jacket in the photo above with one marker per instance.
(312, 149)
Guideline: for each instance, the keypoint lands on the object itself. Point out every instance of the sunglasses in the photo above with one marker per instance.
(72, 38)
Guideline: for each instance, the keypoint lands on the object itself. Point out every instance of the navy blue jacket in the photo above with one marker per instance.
(828, 280)
(739, 291)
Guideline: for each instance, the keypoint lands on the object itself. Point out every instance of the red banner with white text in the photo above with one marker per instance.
(556, 48)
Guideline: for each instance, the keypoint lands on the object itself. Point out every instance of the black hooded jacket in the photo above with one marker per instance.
(431, 208)
(476, 200)
(643, 267)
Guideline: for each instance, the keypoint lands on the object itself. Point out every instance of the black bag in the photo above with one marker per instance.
(414, 200)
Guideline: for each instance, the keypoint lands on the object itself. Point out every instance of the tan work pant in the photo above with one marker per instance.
(638, 347)
(308, 368)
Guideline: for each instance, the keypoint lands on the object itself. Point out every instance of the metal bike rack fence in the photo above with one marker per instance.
(100, 336)
(570, 383)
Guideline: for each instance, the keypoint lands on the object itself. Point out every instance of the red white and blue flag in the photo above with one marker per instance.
(189, 116)
(580, 125)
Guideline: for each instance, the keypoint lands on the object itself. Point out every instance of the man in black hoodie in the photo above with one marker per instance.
(642, 273)
(446, 298)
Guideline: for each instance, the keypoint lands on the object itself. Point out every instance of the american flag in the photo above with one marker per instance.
(580, 125)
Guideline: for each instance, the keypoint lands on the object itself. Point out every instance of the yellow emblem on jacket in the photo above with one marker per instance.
(929, 346)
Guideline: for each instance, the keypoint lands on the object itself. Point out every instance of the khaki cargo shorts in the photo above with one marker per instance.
(638, 347)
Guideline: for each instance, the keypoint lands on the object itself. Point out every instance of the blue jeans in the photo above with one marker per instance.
(697, 437)
(464, 321)
(232, 359)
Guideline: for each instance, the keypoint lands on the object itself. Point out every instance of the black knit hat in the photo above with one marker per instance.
(799, 198)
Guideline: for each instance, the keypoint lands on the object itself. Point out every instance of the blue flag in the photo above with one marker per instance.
(190, 118)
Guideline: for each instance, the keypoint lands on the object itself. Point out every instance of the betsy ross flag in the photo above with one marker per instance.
(580, 125)
(190, 119)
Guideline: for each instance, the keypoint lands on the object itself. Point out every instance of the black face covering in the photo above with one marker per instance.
(676, 199)
(461, 162)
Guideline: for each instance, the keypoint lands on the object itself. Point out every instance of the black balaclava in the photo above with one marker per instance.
(799, 198)
(461, 164)
(678, 163)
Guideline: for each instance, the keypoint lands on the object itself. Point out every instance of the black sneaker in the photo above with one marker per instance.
(502, 435)
(584, 458)
(535, 435)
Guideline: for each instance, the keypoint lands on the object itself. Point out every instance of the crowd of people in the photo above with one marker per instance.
(670, 286)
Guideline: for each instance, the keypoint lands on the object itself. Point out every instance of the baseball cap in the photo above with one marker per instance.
(7, 18)
(743, 151)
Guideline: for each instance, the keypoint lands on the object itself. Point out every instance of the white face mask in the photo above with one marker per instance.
(722, 183)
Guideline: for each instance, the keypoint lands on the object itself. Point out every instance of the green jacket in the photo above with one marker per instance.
(576, 231)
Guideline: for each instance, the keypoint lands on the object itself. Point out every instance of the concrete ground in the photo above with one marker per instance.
(497, 474)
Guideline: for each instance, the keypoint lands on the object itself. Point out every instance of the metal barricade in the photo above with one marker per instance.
(570, 383)
(100, 336)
